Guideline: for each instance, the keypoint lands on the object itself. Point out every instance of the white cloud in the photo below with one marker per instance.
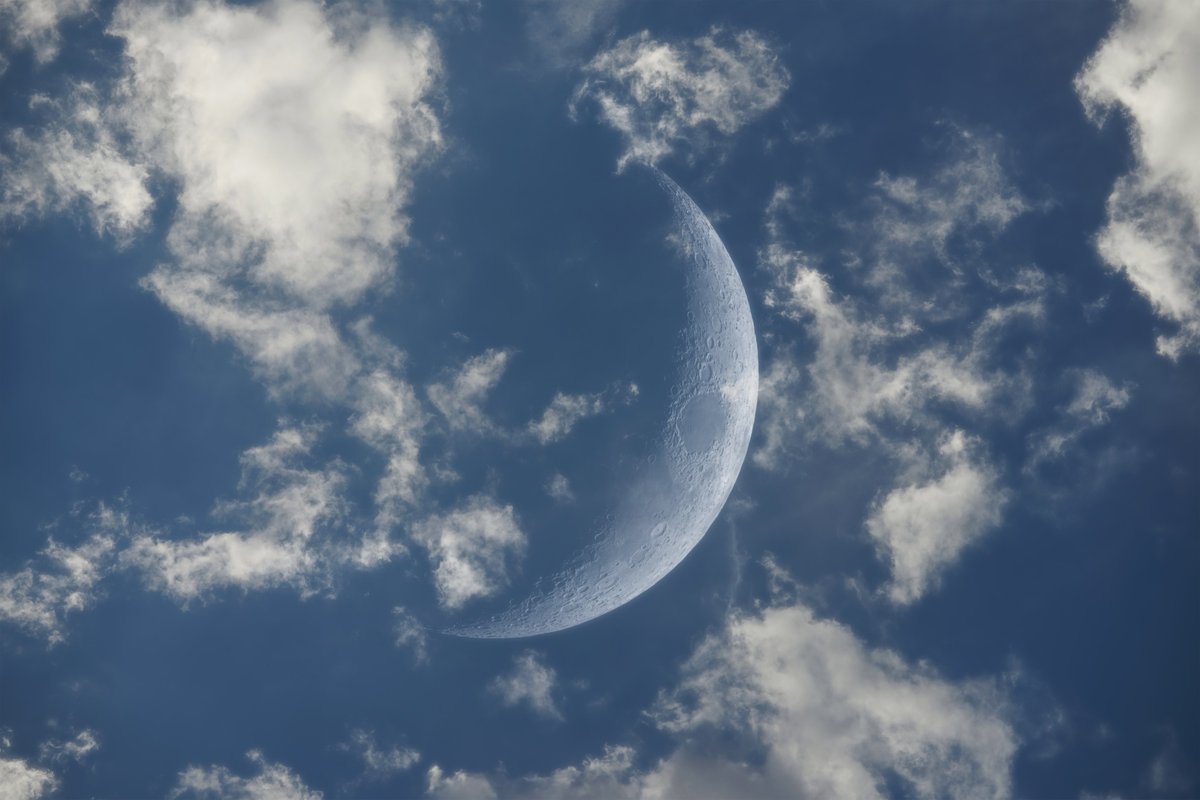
(75, 749)
(35, 23)
(664, 96)
(409, 632)
(74, 162)
(457, 786)
(559, 29)
(1147, 68)
(530, 682)
(62, 580)
(460, 400)
(907, 330)
(836, 718)
(280, 542)
(782, 703)
(565, 411)
(559, 488)
(923, 525)
(471, 548)
(380, 762)
(293, 133)
(272, 781)
(21, 780)
(290, 133)
(389, 417)
(1094, 401)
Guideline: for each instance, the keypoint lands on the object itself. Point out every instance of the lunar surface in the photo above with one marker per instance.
(682, 484)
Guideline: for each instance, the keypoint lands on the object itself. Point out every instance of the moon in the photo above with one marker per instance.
(677, 492)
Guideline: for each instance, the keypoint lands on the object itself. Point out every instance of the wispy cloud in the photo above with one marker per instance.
(379, 762)
(280, 543)
(461, 397)
(408, 632)
(1094, 400)
(560, 29)
(664, 97)
(75, 162)
(565, 411)
(72, 750)
(62, 580)
(35, 24)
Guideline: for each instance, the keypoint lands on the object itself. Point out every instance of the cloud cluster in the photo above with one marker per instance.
(782, 703)
(530, 682)
(663, 96)
(1147, 68)
(890, 365)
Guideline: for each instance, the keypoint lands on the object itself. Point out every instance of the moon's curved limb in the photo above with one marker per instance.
(679, 491)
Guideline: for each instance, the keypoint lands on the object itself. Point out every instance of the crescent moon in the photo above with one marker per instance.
(684, 483)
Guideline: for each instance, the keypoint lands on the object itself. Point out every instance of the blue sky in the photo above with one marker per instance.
(323, 327)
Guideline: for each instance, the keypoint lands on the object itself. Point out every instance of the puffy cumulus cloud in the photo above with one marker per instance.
(293, 134)
(923, 525)
(35, 24)
(834, 718)
(280, 542)
(272, 781)
(379, 762)
(407, 631)
(664, 96)
(290, 133)
(457, 785)
(62, 579)
(471, 548)
(1095, 398)
(21, 780)
(531, 683)
(74, 162)
(461, 397)
(291, 188)
(782, 703)
(1147, 68)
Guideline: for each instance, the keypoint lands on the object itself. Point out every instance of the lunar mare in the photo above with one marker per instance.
(680, 488)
